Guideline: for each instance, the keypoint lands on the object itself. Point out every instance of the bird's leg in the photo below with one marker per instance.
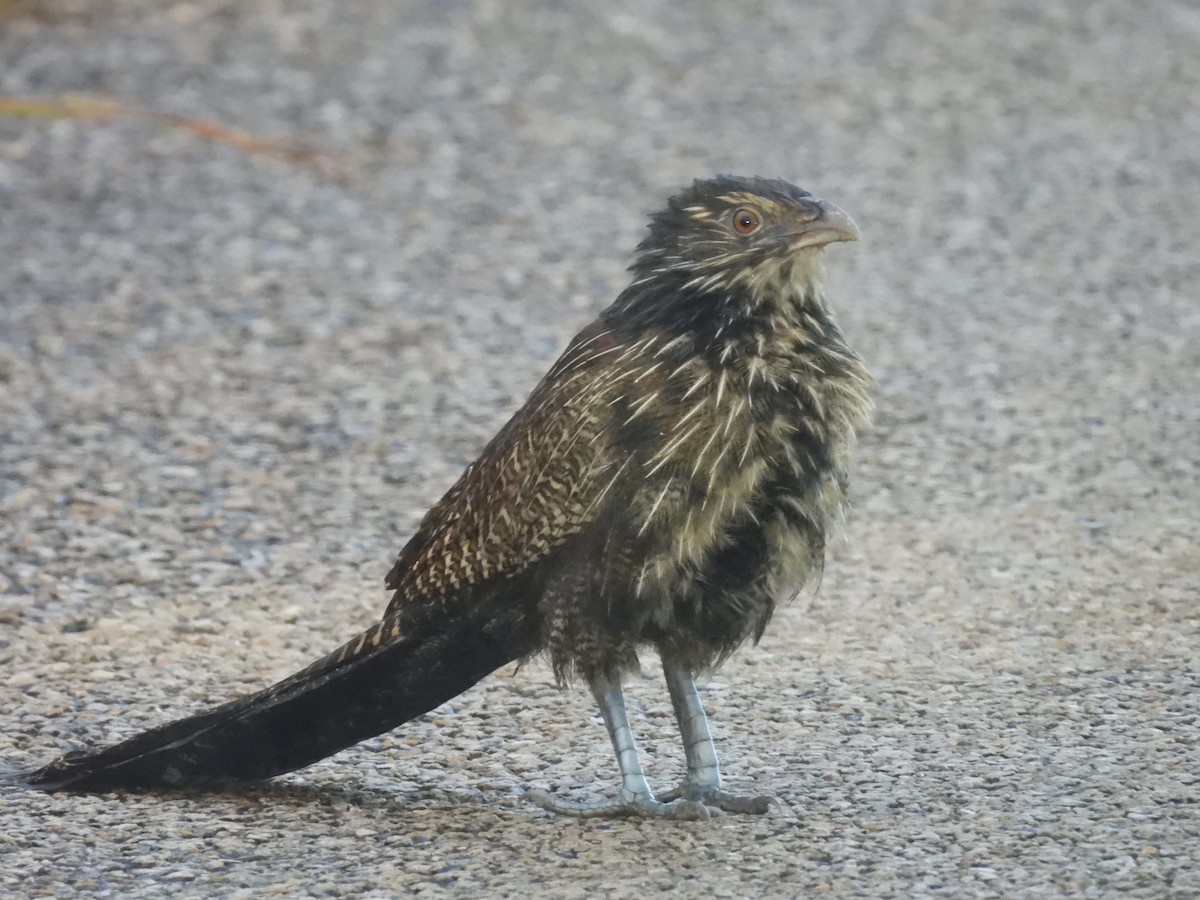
(703, 780)
(635, 797)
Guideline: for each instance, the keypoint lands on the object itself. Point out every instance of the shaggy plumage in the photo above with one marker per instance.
(671, 479)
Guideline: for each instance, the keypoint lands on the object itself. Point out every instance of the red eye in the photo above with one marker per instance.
(746, 221)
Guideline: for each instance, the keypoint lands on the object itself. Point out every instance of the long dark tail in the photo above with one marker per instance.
(377, 681)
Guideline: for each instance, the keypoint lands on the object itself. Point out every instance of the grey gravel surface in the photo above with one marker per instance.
(230, 383)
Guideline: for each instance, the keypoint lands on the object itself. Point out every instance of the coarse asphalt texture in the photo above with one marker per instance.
(233, 377)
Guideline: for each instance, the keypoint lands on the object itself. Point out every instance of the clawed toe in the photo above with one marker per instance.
(722, 800)
(623, 805)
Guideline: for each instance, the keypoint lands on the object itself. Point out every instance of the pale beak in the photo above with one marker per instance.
(830, 226)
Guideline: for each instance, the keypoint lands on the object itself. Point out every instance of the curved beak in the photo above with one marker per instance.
(830, 226)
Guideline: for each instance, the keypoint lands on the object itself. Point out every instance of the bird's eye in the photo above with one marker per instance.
(746, 221)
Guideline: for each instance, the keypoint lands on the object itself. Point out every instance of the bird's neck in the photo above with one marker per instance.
(756, 312)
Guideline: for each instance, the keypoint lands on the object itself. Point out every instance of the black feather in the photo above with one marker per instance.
(299, 721)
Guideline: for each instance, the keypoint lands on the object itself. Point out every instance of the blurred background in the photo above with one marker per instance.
(272, 272)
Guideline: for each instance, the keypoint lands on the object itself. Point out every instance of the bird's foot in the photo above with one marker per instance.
(712, 796)
(626, 804)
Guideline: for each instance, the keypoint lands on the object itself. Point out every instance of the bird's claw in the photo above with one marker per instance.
(624, 805)
(717, 798)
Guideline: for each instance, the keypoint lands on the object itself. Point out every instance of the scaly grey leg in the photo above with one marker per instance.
(703, 779)
(635, 797)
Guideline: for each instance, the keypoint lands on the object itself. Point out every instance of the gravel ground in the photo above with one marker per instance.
(231, 382)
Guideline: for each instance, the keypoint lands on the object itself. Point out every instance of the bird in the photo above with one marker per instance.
(669, 482)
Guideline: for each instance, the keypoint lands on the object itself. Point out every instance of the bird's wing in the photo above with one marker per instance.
(540, 481)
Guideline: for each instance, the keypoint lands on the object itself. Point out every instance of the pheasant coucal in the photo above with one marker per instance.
(667, 483)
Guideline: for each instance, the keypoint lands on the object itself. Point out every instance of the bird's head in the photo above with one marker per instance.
(734, 234)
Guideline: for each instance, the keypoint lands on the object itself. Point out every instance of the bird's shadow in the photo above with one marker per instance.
(312, 793)
(291, 793)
